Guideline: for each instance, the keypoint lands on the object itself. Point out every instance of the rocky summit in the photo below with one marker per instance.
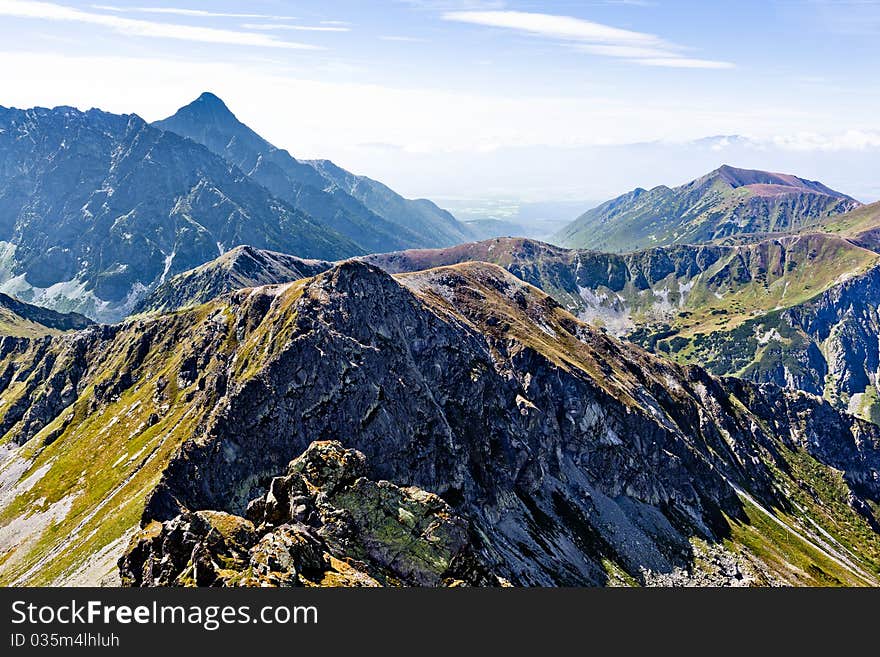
(364, 210)
(475, 420)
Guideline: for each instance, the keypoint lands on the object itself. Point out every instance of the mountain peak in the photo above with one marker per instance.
(724, 202)
(208, 105)
(767, 181)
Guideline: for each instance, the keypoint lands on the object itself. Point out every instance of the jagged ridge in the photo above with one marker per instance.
(575, 459)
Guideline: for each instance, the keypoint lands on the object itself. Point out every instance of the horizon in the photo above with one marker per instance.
(584, 101)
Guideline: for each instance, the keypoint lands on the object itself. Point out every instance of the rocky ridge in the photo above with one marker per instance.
(573, 458)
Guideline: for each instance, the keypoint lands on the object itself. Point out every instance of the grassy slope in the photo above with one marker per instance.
(21, 327)
(113, 449)
(783, 274)
(855, 223)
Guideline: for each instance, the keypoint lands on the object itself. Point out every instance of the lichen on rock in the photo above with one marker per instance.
(322, 524)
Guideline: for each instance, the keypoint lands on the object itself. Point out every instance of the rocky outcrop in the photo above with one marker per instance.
(322, 524)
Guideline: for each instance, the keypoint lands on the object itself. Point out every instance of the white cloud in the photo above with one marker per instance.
(591, 37)
(683, 62)
(479, 144)
(187, 12)
(295, 28)
(851, 140)
(141, 28)
(463, 122)
(404, 39)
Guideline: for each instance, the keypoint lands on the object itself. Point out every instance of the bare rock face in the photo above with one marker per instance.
(323, 523)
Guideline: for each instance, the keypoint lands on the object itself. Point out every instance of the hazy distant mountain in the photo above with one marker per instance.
(20, 319)
(96, 208)
(432, 225)
(242, 267)
(725, 202)
(366, 211)
(597, 172)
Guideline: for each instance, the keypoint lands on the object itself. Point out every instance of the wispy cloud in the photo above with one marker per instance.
(632, 3)
(405, 39)
(852, 140)
(177, 11)
(454, 5)
(269, 27)
(48, 11)
(587, 36)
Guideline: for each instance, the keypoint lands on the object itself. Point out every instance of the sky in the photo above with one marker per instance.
(535, 101)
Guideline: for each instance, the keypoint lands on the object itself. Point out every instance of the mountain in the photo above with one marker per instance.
(827, 346)
(432, 225)
(861, 226)
(24, 320)
(242, 267)
(737, 310)
(366, 211)
(97, 208)
(726, 202)
(677, 290)
(485, 436)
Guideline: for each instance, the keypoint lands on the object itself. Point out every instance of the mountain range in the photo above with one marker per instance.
(540, 450)
(726, 202)
(364, 210)
(312, 381)
(797, 310)
(98, 209)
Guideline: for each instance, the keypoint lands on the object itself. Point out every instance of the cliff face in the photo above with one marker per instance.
(827, 346)
(570, 457)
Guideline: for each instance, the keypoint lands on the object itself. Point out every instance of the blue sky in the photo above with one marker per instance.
(432, 95)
